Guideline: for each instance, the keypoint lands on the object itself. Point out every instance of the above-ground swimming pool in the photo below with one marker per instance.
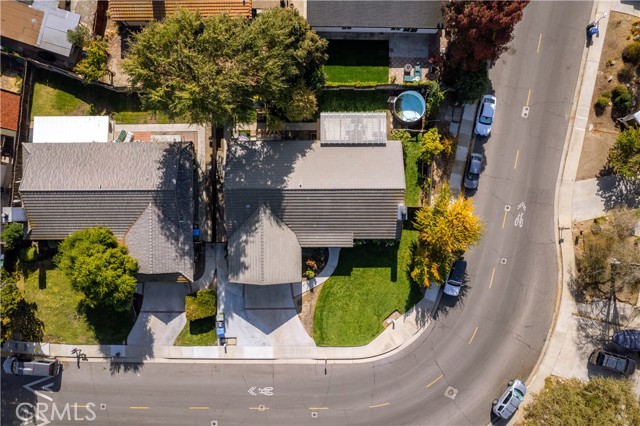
(409, 106)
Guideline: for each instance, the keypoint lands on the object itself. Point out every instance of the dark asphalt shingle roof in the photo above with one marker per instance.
(373, 14)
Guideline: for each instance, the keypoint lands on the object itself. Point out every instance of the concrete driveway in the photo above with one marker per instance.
(162, 315)
(259, 315)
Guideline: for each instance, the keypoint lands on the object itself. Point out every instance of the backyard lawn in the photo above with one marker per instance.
(369, 283)
(201, 332)
(58, 95)
(64, 321)
(353, 101)
(353, 61)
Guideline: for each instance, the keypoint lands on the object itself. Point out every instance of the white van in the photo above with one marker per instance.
(25, 365)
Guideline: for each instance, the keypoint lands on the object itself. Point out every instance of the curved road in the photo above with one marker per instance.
(450, 375)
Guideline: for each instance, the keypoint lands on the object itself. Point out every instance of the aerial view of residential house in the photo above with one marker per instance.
(40, 28)
(143, 192)
(281, 196)
(141, 12)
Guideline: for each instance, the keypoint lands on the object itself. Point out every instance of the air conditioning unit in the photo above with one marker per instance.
(402, 212)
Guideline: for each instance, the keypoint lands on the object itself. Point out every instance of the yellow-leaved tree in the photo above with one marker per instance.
(446, 230)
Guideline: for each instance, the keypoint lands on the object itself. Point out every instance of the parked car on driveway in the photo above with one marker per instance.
(486, 112)
(614, 362)
(456, 278)
(472, 178)
(510, 400)
(628, 340)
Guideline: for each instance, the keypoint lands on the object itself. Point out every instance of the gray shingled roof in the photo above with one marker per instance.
(306, 165)
(327, 195)
(159, 245)
(68, 187)
(100, 167)
(374, 14)
(263, 250)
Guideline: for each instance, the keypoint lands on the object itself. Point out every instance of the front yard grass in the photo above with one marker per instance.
(55, 95)
(353, 61)
(200, 332)
(353, 101)
(65, 320)
(369, 283)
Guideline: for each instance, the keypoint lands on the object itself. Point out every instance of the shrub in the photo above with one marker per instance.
(622, 99)
(201, 304)
(435, 97)
(430, 145)
(28, 254)
(601, 104)
(12, 235)
(470, 86)
(626, 73)
(631, 53)
(620, 89)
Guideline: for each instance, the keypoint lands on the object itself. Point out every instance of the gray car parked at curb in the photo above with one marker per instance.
(472, 178)
(510, 400)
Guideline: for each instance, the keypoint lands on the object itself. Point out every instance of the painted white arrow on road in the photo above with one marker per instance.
(523, 206)
(29, 387)
(251, 391)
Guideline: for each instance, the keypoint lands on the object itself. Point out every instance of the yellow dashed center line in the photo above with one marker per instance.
(260, 408)
(492, 274)
(318, 408)
(539, 40)
(516, 163)
(435, 381)
(79, 406)
(379, 405)
(504, 220)
(138, 408)
(198, 408)
(528, 98)
(474, 335)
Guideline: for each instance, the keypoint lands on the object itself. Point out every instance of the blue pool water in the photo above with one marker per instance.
(409, 106)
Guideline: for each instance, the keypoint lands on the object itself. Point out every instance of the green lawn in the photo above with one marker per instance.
(353, 61)
(369, 283)
(411, 175)
(57, 95)
(198, 333)
(353, 101)
(64, 320)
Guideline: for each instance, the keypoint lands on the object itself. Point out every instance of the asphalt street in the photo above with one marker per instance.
(450, 375)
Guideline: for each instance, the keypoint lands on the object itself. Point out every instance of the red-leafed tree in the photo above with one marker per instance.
(479, 30)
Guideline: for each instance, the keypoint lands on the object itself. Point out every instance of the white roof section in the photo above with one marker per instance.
(56, 22)
(71, 129)
(353, 128)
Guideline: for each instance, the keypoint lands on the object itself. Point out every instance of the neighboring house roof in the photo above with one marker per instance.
(20, 22)
(353, 128)
(263, 250)
(71, 186)
(150, 10)
(41, 25)
(71, 129)
(9, 110)
(327, 195)
(374, 14)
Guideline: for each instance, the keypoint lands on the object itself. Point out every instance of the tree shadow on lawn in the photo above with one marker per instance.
(110, 327)
(202, 326)
(101, 100)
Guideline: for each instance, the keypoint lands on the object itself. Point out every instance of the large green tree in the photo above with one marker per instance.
(600, 401)
(285, 56)
(624, 155)
(94, 66)
(18, 317)
(12, 235)
(212, 69)
(446, 230)
(99, 268)
(479, 31)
